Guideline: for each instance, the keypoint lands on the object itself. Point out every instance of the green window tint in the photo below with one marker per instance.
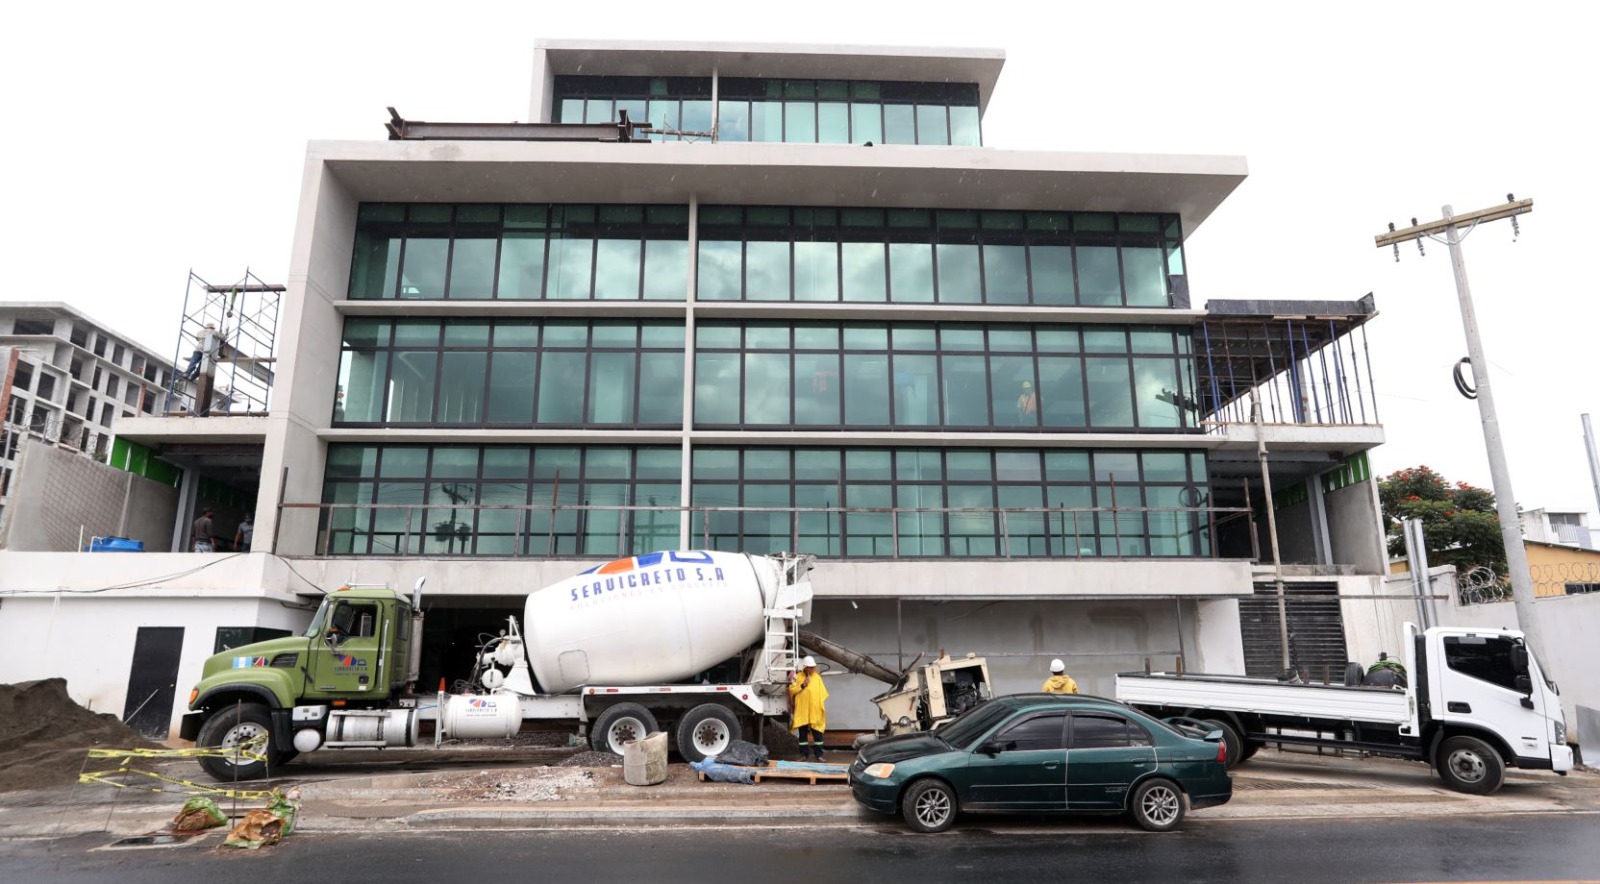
(423, 270)
(598, 110)
(511, 385)
(403, 461)
(867, 465)
(1060, 393)
(363, 332)
(561, 379)
(615, 334)
(1174, 260)
(571, 269)
(564, 333)
(472, 268)
(661, 334)
(430, 213)
(1017, 466)
(1112, 340)
(868, 534)
(571, 111)
(964, 127)
(611, 388)
(972, 533)
(715, 463)
(1165, 466)
(866, 390)
(1006, 339)
(816, 337)
(1146, 341)
(816, 271)
(1121, 531)
(556, 461)
(1142, 272)
(1157, 392)
(455, 463)
(764, 336)
(1139, 223)
(608, 463)
(899, 124)
(1171, 530)
(375, 267)
(1054, 339)
(716, 388)
(800, 122)
(911, 273)
(359, 398)
(1116, 466)
(862, 264)
(1005, 274)
(713, 336)
(966, 391)
(866, 123)
(766, 389)
(766, 271)
(461, 378)
(497, 532)
(816, 389)
(1066, 466)
(766, 531)
(916, 391)
(1012, 391)
(412, 380)
(915, 338)
(416, 333)
(505, 463)
(1110, 393)
(696, 116)
(522, 266)
(616, 270)
(638, 110)
(1052, 275)
(663, 464)
(964, 338)
(866, 337)
(466, 333)
(921, 533)
(818, 465)
(1197, 467)
(661, 389)
(958, 274)
(1026, 529)
(720, 271)
(833, 122)
(766, 121)
(733, 122)
(919, 466)
(1099, 281)
(766, 464)
(663, 115)
(1097, 222)
(933, 124)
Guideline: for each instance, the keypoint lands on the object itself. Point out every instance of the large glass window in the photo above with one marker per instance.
(432, 251)
(970, 503)
(493, 500)
(917, 256)
(954, 375)
(510, 372)
(806, 111)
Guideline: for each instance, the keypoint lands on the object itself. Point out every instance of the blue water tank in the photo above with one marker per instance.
(115, 544)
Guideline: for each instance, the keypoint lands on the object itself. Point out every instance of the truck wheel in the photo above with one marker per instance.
(1468, 764)
(929, 806)
(229, 728)
(618, 725)
(1230, 737)
(1157, 805)
(705, 731)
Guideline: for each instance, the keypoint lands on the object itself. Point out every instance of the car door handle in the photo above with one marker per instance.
(1051, 765)
(1457, 706)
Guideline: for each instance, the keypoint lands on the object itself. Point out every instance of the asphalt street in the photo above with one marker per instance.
(1515, 847)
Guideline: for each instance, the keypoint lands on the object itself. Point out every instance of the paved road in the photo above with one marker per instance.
(1521, 847)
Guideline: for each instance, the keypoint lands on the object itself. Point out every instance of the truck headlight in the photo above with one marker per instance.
(879, 771)
(1561, 733)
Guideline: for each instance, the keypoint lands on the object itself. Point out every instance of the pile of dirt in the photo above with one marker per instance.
(780, 742)
(43, 735)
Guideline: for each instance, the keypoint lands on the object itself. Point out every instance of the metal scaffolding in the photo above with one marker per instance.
(227, 348)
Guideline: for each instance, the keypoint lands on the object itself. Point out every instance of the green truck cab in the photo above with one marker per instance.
(345, 683)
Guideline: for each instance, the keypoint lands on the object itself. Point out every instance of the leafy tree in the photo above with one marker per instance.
(1460, 525)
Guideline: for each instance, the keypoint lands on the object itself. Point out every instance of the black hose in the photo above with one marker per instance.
(1462, 386)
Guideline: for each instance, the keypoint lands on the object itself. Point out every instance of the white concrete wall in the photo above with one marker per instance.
(89, 639)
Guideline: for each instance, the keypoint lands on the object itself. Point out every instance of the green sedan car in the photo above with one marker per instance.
(1033, 753)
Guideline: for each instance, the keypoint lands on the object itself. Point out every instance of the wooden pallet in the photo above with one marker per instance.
(812, 774)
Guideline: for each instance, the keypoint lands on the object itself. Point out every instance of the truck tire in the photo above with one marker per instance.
(1157, 805)
(706, 730)
(229, 727)
(929, 806)
(1230, 737)
(1468, 764)
(618, 725)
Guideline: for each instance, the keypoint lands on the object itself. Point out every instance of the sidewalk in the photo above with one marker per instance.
(467, 789)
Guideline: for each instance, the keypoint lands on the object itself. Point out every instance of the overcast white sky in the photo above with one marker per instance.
(143, 140)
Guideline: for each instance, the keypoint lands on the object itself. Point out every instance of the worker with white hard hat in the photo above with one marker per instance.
(1059, 681)
(808, 698)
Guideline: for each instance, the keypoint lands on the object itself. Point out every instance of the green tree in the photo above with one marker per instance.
(1459, 521)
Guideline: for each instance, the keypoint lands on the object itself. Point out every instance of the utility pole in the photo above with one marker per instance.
(1499, 472)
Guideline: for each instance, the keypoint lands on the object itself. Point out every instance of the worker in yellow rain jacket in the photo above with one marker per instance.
(808, 699)
(1059, 681)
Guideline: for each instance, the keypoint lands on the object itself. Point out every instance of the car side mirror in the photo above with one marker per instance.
(1519, 659)
(334, 638)
(990, 748)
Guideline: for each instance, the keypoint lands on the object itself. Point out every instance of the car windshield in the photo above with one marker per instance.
(972, 724)
(316, 622)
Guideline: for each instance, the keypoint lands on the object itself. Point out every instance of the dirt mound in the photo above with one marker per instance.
(43, 735)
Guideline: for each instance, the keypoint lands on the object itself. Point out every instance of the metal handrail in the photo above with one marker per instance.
(1053, 522)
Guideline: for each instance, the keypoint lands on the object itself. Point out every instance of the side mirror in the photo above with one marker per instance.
(1519, 659)
(334, 638)
(990, 748)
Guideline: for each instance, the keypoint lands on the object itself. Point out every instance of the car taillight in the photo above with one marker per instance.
(1222, 752)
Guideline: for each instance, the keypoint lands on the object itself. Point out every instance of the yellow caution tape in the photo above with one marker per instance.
(252, 750)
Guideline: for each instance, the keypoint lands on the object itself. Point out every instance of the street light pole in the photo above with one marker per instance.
(1499, 472)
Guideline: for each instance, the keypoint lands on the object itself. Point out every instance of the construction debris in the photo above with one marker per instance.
(43, 735)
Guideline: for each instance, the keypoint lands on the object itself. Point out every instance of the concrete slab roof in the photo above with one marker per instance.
(634, 58)
(782, 174)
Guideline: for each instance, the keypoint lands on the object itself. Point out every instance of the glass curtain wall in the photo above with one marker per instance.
(922, 256)
(796, 111)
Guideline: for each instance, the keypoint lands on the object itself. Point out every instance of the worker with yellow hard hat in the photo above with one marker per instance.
(1059, 681)
(808, 698)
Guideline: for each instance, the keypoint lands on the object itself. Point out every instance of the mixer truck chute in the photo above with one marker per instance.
(620, 650)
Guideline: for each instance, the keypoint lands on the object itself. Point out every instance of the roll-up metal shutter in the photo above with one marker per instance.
(1316, 631)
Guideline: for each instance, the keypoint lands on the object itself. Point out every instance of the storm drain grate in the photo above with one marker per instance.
(155, 840)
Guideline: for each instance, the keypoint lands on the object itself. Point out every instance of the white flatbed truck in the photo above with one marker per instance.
(1476, 702)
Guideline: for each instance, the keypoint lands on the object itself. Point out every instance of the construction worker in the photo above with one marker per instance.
(1059, 681)
(808, 698)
